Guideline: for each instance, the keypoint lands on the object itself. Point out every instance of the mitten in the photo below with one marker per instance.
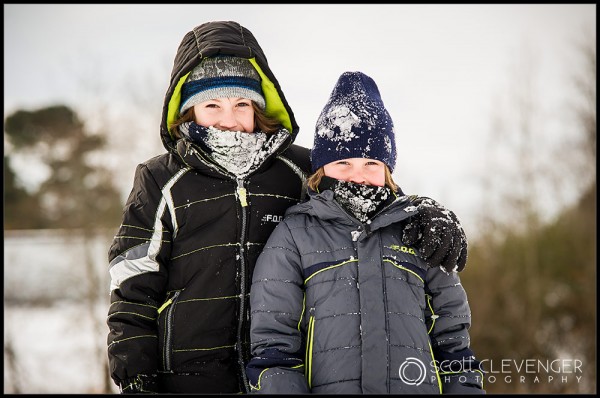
(140, 384)
(437, 234)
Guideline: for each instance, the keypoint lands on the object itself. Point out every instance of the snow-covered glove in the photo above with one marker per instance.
(140, 384)
(437, 234)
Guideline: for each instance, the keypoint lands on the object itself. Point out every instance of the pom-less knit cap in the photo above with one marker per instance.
(354, 124)
(221, 77)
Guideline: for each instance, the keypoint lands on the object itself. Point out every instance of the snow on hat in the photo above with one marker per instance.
(221, 77)
(354, 124)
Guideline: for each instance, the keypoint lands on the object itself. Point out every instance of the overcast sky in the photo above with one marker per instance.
(440, 68)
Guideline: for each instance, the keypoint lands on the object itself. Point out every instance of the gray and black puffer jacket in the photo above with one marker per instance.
(182, 259)
(343, 307)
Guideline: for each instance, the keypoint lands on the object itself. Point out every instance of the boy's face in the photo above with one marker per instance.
(228, 114)
(357, 170)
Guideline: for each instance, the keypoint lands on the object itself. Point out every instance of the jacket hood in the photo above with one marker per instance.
(222, 38)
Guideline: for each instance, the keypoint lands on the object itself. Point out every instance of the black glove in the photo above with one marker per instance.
(140, 384)
(437, 234)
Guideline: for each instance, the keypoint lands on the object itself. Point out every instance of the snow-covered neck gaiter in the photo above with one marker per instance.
(238, 152)
(362, 201)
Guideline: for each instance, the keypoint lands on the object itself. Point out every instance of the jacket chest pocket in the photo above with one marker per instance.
(405, 286)
(165, 328)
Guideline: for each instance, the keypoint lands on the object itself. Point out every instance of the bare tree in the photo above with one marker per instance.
(534, 273)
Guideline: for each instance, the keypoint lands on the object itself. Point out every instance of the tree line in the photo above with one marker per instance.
(531, 282)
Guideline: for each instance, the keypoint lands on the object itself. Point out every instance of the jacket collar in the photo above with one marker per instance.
(323, 206)
(194, 156)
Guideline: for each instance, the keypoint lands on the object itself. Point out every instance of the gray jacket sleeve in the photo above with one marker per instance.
(448, 319)
(277, 304)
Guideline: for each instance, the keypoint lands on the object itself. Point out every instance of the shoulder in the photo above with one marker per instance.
(161, 167)
(164, 161)
(298, 155)
(156, 161)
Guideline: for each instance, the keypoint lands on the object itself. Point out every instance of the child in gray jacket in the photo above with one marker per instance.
(339, 304)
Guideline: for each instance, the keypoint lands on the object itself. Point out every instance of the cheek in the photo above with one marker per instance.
(204, 118)
(333, 173)
(248, 125)
(246, 119)
(377, 178)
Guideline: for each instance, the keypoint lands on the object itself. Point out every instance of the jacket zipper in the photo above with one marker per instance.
(170, 305)
(309, 345)
(241, 194)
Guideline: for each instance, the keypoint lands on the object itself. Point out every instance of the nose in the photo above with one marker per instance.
(228, 120)
(357, 178)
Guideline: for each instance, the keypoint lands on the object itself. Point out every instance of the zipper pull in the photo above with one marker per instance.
(241, 191)
(165, 305)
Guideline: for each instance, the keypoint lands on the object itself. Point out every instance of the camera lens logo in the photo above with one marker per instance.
(412, 372)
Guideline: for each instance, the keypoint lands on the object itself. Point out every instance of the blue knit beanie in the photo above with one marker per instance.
(354, 124)
(221, 77)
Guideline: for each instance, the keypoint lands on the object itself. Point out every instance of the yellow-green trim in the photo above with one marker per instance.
(205, 349)
(303, 309)
(437, 374)
(131, 313)
(132, 303)
(237, 296)
(404, 268)
(482, 377)
(165, 305)
(433, 315)
(273, 103)
(330, 267)
(203, 200)
(256, 388)
(205, 248)
(309, 349)
(133, 337)
(174, 102)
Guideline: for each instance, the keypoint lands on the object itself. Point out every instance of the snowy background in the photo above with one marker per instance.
(53, 328)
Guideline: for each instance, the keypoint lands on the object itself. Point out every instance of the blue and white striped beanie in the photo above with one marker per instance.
(354, 124)
(221, 77)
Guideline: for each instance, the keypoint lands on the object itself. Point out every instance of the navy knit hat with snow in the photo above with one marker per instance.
(354, 124)
(221, 77)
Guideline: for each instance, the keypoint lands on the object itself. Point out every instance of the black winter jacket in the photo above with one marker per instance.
(181, 263)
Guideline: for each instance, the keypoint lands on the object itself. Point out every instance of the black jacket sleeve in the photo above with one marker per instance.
(137, 258)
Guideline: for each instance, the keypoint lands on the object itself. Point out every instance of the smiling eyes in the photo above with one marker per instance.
(367, 163)
(241, 104)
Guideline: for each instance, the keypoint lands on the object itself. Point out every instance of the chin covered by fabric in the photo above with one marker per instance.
(238, 152)
(362, 201)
